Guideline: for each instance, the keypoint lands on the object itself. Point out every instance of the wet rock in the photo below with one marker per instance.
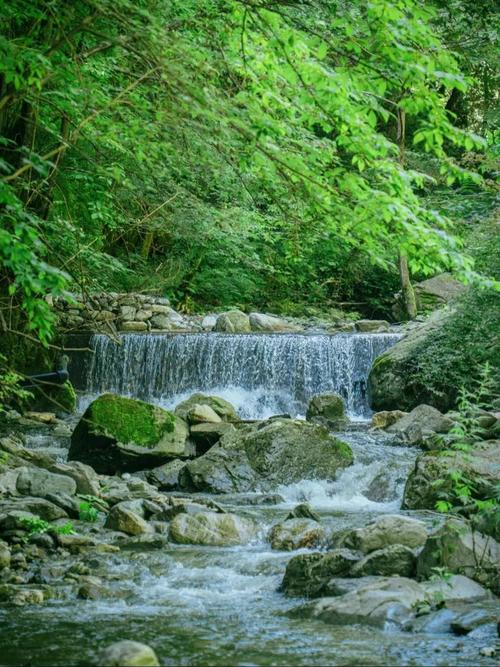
(233, 321)
(220, 406)
(92, 588)
(125, 520)
(385, 601)
(76, 544)
(85, 477)
(470, 620)
(327, 409)
(200, 414)
(211, 529)
(454, 588)
(43, 540)
(8, 482)
(296, 534)
(115, 490)
(460, 550)
(37, 482)
(128, 654)
(303, 511)
(41, 507)
(395, 559)
(424, 418)
(207, 435)
(124, 434)
(4, 556)
(20, 595)
(308, 574)
(481, 465)
(265, 455)
(387, 418)
(387, 530)
(166, 477)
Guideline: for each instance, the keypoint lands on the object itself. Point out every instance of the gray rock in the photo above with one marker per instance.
(211, 529)
(410, 428)
(387, 530)
(395, 559)
(455, 588)
(233, 321)
(4, 556)
(128, 654)
(481, 465)
(309, 574)
(458, 549)
(303, 511)
(85, 477)
(268, 323)
(263, 456)
(296, 534)
(470, 620)
(220, 406)
(127, 521)
(388, 600)
(37, 482)
(166, 477)
(199, 414)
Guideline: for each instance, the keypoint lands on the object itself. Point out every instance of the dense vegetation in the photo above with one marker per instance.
(239, 152)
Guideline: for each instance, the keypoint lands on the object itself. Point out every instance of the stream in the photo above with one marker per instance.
(199, 605)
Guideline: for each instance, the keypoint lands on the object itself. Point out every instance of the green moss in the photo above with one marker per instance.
(131, 421)
(344, 450)
(65, 397)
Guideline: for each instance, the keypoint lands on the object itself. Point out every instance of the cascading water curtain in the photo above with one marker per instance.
(261, 374)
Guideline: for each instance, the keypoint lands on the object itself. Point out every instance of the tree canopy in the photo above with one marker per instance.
(243, 152)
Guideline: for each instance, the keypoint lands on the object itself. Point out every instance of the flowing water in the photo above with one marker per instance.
(261, 374)
(222, 606)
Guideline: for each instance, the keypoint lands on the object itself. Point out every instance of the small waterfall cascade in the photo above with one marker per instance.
(261, 374)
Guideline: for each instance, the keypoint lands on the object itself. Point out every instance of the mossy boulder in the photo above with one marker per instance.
(220, 406)
(123, 434)
(266, 454)
(327, 409)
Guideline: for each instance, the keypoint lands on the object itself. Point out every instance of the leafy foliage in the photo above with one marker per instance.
(225, 152)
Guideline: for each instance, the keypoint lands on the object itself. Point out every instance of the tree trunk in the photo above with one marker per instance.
(408, 300)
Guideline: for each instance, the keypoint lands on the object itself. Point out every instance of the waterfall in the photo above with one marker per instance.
(261, 374)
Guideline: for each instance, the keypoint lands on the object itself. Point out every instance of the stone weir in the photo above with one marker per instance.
(261, 374)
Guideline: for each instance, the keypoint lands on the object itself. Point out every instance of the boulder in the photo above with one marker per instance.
(265, 455)
(296, 534)
(458, 549)
(220, 406)
(327, 409)
(211, 529)
(308, 574)
(454, 588)
(385, 531)
(268, 323)
(386, 418)
(127, 521)
(85, 477)
(395, 559)
(387, 600)
(166, 477)
(44, 508)
(207, 435)
(393, 382)
(430, 478)
(38, 482)
(431, 294)
(200, 414)
(233, 321)
(468, 621)
(117, 434)
(424, 418)
(303, 511)
(128, 654)
(372, 326)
